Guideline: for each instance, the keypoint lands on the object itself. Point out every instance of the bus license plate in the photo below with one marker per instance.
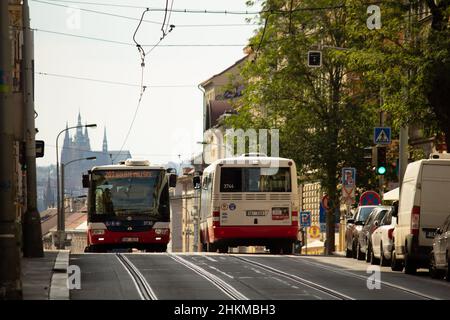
(130, 239)
(256, 213)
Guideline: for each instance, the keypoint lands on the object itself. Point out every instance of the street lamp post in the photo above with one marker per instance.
(60, 226)
(62, 219)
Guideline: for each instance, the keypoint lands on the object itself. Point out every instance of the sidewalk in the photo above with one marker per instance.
(45, 278)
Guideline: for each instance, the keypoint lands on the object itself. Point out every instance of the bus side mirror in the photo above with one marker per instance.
(172, 180)
(196, 182)
(86, 182)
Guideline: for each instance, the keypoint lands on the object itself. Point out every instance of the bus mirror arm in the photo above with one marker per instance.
(172, 180)
(86, 182)
(196, 182)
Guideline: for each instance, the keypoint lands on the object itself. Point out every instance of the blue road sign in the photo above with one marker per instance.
(305, 219)
(382, 135)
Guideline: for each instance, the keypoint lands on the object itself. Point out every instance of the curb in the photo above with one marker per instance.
(58, 286)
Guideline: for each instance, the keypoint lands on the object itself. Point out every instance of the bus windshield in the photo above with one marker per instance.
(124, 192)
(255, 180)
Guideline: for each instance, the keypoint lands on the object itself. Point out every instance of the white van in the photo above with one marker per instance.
(424, 205)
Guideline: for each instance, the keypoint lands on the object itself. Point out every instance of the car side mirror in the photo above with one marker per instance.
(172, 180)
(350, 221)
(376, 224)
(196, 181)
(86, 182)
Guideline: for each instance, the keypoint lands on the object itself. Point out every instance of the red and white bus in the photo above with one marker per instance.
(249, 201)
(128, 206)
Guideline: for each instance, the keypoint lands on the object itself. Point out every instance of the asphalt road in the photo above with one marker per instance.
(251, 276)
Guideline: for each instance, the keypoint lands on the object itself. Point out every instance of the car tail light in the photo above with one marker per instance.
(216, 218)
(295, 218)
(391, 233)
(415, 219)
(98, 232)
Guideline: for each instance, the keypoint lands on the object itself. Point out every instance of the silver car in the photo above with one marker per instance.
(440, 255)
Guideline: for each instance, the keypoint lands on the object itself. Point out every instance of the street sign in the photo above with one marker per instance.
(382, 135)
(369, 198)
(348, 195)
(305, 219)
(348, 177)
(314, 232)
(314, 59)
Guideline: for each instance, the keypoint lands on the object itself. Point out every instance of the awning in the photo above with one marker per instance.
(392, 195)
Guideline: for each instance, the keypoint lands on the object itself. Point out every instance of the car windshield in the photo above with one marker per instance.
(364, 213)
(125, 192)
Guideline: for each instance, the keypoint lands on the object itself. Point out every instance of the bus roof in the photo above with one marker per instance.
(250, 162)
(125, 167)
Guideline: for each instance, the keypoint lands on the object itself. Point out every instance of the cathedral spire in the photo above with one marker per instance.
(105, 142)
(79, 135)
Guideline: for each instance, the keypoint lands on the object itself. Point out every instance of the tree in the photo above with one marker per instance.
(325, 115)
(436, 69)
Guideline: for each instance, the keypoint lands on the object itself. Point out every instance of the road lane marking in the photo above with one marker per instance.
(229, 290)
(298, 279)
(351, 274)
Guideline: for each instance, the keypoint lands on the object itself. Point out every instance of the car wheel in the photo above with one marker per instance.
(396, 265)
(434, 272)
(410, 265)
(383, 261)
(348, 253)
(359, 254)
(373, 259)
(447, 277)
(368, 253)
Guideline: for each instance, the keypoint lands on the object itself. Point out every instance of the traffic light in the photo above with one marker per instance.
(381, 161)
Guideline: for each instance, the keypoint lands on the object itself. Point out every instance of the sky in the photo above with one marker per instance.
(168, 123)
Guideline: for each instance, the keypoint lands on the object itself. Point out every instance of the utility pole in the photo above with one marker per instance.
(10, 272)
(32, 233)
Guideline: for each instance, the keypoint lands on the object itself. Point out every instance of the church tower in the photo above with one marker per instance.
(105, 143)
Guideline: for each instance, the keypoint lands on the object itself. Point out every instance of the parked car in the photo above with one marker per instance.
(440, 255)
(424, 204)
(354, 227)
(364, 246)
(382, 239)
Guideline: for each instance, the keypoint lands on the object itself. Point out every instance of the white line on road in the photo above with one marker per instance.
(216, 281)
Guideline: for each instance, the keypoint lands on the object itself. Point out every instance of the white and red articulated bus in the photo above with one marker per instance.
(128, 206)
(249, 201)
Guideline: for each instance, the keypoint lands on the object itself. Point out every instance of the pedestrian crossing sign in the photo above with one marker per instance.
(382, 135)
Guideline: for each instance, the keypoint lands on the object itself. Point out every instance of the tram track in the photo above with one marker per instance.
(332, 293)
(384, 283)
(229, 290)
(141, 284)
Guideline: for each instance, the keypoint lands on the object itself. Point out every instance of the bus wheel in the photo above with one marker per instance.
(211, 247)
(287, 248)
(223, 249)
(275, 249)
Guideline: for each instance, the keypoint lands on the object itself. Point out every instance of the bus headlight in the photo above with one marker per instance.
(161, 231)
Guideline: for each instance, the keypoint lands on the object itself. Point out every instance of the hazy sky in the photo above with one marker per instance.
(169, 120)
